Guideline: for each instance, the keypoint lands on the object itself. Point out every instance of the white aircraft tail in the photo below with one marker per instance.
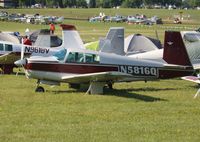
(114, 41)
(71, 38)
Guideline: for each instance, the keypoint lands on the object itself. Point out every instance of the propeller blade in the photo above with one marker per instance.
(22, 50)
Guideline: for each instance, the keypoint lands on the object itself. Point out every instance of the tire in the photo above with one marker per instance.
(39, 89)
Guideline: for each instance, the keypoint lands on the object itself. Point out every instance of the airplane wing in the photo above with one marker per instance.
(99, 77)
(191, 78)
(196, 64)
(9, 58)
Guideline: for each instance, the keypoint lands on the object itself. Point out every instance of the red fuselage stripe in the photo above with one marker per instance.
(94, 68)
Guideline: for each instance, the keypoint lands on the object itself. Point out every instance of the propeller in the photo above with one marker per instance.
(22, 50)
(22, 61)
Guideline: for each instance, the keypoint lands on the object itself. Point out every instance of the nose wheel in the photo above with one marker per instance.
(39, 89)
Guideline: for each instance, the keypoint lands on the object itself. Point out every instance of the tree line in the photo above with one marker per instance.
(107, 3)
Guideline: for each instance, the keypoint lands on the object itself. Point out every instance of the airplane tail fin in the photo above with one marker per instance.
(114, 41)
(71, 37)
(174, 49)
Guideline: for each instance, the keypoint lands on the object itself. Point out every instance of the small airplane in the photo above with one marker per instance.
(11, 52)
(188, 39)
(117, 19)
(97, 69)
(136, 19)
(194, 79)
(114, 42)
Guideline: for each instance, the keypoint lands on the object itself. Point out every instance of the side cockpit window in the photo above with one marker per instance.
(8, 47)
(1, 47)
(82, 57)
(71, 57)
(79, 57)
(91, 58)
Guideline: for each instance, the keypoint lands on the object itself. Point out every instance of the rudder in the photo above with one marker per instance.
(174, 49)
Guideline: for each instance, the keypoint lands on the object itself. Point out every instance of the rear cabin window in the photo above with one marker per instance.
(82, 58)
(8, 47)
(91, 58)
(1, 47)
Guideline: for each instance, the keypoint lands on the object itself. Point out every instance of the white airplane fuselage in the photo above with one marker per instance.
(51, 69)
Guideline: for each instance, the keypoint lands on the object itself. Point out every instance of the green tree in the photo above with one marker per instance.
(106, 4)
(81, 3)
(92, 3)
(115, 3)
(132, 3)
(197, 3)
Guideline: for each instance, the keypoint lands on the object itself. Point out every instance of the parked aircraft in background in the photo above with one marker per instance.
(81, 66)
(30, 18)
(142, 19)
(10, 52)
(141, 47)
(114, 42)
(117, 19)
(188, 39)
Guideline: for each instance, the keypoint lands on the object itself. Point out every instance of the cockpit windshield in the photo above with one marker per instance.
(60, 55)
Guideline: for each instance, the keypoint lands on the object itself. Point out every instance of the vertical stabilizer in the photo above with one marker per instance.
(71, 37)
(174, 49)
(114, 41)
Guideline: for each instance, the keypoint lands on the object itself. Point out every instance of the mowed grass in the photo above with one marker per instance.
(154, 111)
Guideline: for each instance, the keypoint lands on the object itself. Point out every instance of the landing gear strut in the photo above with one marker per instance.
(110, 85)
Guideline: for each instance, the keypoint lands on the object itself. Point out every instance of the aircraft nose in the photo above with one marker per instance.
(20, 63)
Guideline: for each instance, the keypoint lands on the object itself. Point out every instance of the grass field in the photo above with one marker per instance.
(154, 111)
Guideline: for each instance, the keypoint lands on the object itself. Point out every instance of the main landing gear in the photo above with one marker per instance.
(39, 89)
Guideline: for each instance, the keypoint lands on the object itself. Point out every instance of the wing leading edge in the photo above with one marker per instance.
(97, 77)
(191, 78)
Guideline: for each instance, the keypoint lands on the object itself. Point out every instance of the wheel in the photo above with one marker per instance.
(39, 89)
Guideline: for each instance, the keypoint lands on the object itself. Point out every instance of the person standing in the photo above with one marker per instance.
(27, 41)
(52, 28)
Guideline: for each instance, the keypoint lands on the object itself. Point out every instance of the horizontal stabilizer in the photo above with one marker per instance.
(191, 78)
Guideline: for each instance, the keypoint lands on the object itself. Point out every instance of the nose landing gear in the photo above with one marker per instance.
(39, 89)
